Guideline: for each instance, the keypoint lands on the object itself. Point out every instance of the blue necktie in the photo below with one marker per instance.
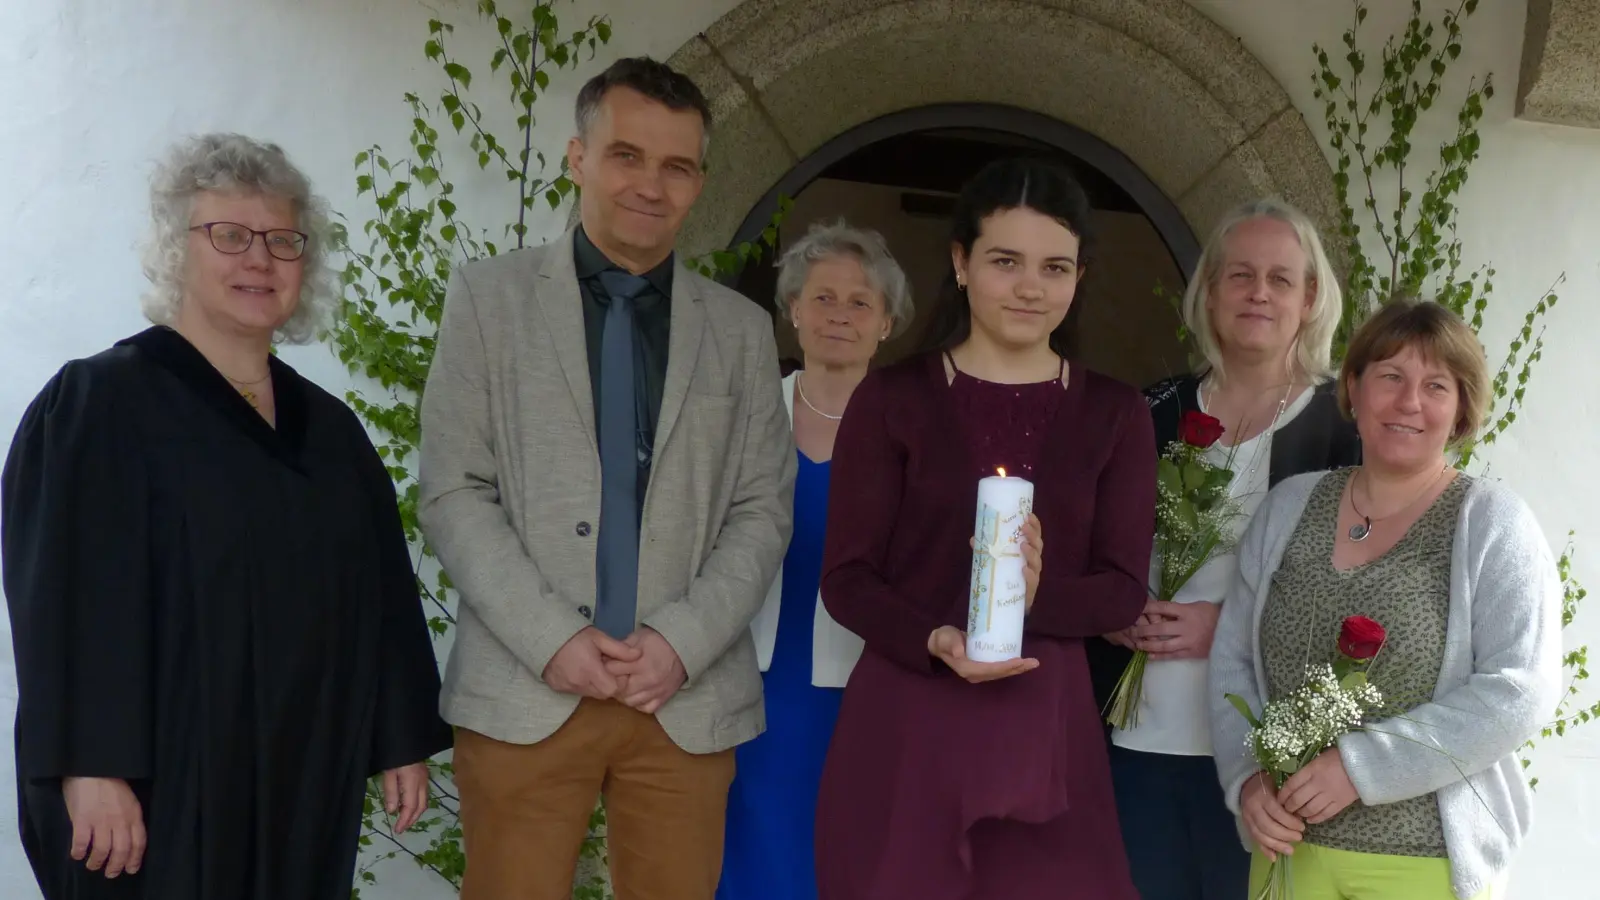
(617, 553)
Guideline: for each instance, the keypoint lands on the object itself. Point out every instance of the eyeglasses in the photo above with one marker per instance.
(232, 238)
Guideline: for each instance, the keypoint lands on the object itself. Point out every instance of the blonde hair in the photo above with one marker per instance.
(1313, 346)
(233, 163)
(1441, 337)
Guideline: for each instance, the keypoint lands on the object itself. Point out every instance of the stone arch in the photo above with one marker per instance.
(1198, 114)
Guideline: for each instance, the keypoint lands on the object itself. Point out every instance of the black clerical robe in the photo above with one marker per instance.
(219, 612)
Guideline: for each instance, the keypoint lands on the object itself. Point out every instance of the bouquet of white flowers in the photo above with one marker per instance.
(1334, 700)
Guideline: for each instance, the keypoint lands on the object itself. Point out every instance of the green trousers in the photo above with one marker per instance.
(1322, 873)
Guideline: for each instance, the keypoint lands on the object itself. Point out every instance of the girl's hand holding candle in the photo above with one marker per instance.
(1032, 557)
(949, 643)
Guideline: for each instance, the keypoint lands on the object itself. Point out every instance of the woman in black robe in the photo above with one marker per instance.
(218, 633)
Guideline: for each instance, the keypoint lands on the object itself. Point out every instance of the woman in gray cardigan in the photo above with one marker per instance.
(1427, 800)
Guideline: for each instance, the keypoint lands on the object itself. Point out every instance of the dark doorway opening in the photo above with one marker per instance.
(899, 175)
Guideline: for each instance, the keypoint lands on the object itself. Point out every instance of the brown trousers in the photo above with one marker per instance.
(525, 809)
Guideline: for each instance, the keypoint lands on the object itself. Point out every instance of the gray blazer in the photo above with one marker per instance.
(510, 495)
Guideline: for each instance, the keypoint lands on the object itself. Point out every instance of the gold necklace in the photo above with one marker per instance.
(244, 387)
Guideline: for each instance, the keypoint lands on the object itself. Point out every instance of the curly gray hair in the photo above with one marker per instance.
(834, 240)
(233, 163)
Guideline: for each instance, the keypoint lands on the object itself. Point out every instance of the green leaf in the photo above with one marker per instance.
(458, 72)
(1191, 518)
(1218, 478)
(1354, 681)
(1167, 472)
(1244, 709)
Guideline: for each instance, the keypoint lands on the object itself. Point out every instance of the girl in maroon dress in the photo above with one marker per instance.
(949, 779)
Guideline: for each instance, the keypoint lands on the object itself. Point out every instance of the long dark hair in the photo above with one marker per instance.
(1006, 184)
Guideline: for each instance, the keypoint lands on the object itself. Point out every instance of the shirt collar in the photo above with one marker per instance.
(590, 261)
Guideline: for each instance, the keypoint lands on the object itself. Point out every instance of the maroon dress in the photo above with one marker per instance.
(934, 788)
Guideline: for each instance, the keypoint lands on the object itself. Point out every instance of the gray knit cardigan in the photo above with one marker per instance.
(1500, 681)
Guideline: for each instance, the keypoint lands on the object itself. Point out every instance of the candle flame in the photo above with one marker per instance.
(1002, 471)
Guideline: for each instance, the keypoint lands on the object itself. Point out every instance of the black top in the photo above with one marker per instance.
(652, 320)
(222, 614)
(1317, 439)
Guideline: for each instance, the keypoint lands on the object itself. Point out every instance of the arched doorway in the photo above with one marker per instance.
(898, 174)
(1175, 94)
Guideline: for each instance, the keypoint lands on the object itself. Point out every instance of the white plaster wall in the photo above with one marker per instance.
(91, 92)
(1532, 208)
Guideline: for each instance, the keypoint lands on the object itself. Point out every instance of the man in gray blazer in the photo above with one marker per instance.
(606, 476)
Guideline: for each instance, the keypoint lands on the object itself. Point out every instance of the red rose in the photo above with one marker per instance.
(1198, 429)
(1361, 638)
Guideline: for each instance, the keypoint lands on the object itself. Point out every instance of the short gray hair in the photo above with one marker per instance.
(233, 163)
(834, 240)
(1313, 347)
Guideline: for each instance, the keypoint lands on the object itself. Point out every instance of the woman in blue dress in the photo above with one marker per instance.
(845, 295)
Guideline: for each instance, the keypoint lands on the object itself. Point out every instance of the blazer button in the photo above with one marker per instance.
(586, 612)
(583, 529)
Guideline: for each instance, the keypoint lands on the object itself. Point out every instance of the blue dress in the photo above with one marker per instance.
(772, 803)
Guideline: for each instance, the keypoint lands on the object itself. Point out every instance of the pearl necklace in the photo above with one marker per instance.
(800, 386)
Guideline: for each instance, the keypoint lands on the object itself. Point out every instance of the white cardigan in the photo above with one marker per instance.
(834, 648)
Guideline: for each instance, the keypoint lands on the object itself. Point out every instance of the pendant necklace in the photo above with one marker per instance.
(244, 388)
(800, 386)
(1359, 531)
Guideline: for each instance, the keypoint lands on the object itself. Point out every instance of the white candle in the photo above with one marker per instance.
(999, 595)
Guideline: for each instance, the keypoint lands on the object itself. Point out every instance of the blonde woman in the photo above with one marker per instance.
(1262, 307)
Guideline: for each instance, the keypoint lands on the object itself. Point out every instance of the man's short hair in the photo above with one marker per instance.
(655, 80)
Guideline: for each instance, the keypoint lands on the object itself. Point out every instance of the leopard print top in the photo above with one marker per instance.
(1407, 590)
